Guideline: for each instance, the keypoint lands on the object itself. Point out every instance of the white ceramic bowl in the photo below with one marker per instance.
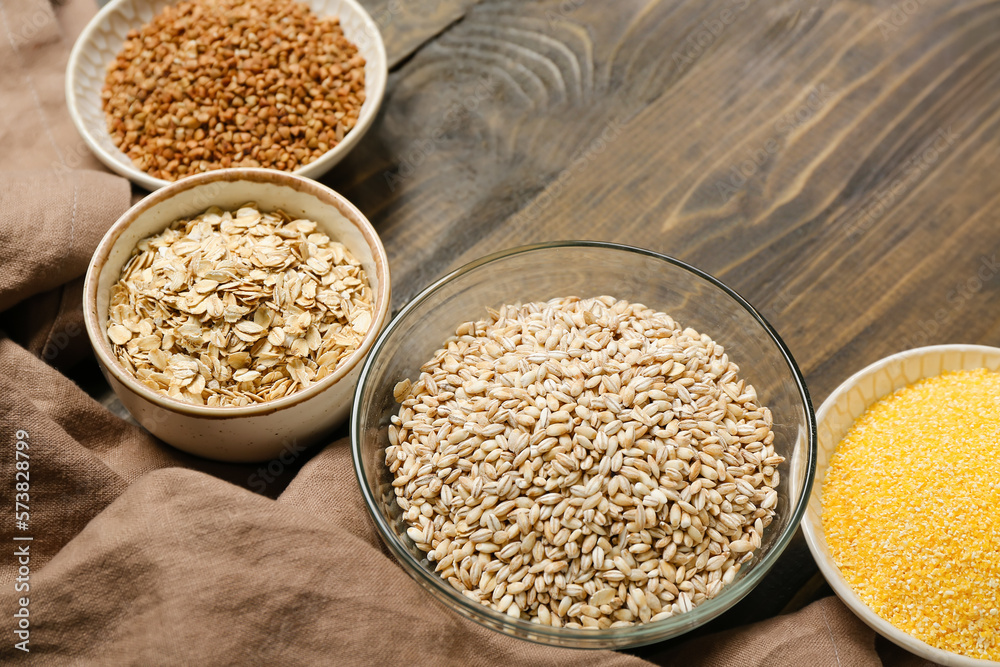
(256, 432)
(102, 39)
(835, 418)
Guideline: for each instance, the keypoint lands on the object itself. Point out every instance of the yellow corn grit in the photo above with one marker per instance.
(910, 510)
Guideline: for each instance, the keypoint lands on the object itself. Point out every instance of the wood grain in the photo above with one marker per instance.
(407, 25)
(826, 107)
(835, 162)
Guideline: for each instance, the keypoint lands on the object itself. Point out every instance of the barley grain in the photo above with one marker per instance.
(630, 504)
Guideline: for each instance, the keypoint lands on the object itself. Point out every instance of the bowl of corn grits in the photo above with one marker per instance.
(902, 519)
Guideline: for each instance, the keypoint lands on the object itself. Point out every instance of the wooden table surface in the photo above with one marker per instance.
(834, 162)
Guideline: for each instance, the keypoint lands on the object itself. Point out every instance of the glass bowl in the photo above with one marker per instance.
(585, 269)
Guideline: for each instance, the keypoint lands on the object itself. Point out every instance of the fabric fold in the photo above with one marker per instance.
(51, 223)
(139, 554)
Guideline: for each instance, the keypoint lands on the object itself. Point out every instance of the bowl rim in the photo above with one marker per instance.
(326, 195)
(816, 540)
(589, 639)
(316, 168)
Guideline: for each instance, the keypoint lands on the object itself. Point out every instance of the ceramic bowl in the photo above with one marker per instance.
(102, 39)
(835, 418)
(257, 432)
(585, 269)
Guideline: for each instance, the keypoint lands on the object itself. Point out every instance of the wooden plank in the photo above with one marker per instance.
(868, 133)
(407, 25)
(565, 121)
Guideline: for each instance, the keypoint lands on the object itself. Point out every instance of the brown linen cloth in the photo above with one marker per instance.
(142, 555)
